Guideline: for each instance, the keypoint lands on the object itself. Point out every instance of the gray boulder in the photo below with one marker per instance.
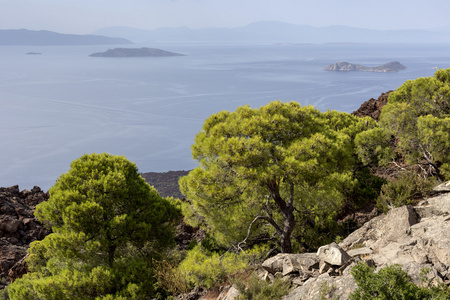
(363, 251)
(333, 254)
(444, 187)
(274, 264)
(325, 286)
(286, 263)
(228, 293)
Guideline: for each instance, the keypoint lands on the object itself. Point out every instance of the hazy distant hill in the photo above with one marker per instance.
(43, 37)
(135, 52)
(279, 32)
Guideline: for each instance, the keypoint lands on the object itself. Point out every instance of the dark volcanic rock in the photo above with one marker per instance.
(166, 183)
(135, 52)
(372, 107)
(185, 234)
(393, 66)
(18, 228)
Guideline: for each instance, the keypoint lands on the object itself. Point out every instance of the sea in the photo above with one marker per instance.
(60, 104)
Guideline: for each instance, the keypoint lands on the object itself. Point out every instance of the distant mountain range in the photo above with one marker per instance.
(259, 32)
(44, 38)
(279, 32)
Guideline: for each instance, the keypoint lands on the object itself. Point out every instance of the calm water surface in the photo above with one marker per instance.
(56, 106)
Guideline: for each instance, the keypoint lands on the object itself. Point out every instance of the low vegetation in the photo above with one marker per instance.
(391, 283)
(256, 289)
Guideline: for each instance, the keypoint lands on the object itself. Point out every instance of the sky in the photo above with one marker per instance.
(86, 16)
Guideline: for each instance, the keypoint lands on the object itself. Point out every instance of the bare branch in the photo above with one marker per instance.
(397, 165)
(257, 218)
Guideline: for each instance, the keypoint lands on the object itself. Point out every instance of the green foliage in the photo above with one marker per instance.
(191, 217)
(414, 126)
(404, 190)
(4, 294)
(391, 283)
(257, 289)
(206, 268)
(108, 225)
(436, 140)
(375, 145)
(170, 278)
(286, 170)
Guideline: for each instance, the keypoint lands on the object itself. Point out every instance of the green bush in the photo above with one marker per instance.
(392, 283)
(206, 268)
(406, 189)
(258, 289)
(169, 277)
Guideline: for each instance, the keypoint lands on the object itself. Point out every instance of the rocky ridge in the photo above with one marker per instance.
(18, 228)
(372, 107)
(393, 66)
(416, 238)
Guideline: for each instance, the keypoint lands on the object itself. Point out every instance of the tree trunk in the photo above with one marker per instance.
(288, 228)
(287, 211)
(111, 252)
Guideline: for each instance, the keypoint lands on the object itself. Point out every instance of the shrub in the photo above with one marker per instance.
(406, 189)
(391, 283)
(169, 277)
(206, 268)
(258, 289)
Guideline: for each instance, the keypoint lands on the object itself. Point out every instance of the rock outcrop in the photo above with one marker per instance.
(413, 237)
(185, 234)
(416, 238)
(18, 228)
(135, 52)
(372, 108)
(393, 66)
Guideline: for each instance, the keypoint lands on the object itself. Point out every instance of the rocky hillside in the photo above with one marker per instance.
(18, 228)
(414, 237)
(166, 183)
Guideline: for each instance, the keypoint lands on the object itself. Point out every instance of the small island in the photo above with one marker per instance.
(393, 66)
(33, 53)
(135, 52)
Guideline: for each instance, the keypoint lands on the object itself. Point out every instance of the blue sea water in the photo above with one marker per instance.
(56, 106)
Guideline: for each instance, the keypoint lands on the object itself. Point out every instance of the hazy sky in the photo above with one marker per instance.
(85, 16)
